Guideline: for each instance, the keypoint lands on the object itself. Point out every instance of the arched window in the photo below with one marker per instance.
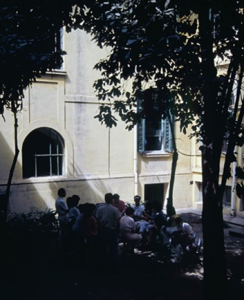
(43, 153)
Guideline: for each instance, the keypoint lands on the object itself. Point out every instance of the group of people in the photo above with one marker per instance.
(99, 228)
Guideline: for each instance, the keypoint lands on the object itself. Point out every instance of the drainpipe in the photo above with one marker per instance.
(135, 161)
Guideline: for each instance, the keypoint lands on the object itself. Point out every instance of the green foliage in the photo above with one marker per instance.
(167, 45)
(30, 239)
(174, 47)
(32, 225)
(239, 173)
(29, 43)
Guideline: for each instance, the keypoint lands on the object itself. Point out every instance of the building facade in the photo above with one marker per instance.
(62, 144)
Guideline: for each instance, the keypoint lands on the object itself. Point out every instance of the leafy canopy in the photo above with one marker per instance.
(165, 45)
(176, 48)
(172, 47)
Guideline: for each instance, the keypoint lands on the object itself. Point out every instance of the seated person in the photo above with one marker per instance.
(128, 228)
(138, 208)
(148, 213)
(145, 224)
(160, 218)
(183, 239)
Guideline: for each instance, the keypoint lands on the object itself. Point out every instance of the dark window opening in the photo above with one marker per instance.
(154, 192)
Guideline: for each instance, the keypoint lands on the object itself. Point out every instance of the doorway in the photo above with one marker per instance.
(154, 192)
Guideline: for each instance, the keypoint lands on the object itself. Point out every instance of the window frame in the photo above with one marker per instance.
(167, 144)
(53, 140)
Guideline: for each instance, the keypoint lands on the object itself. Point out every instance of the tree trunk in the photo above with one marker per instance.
(215, 274)
(11, 173)
(170, 208)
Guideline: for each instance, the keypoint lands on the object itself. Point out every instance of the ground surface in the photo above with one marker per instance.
(41, 275)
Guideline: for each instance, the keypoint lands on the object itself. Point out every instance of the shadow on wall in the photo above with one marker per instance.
(90, 190)
(40, 193)
(23, 193)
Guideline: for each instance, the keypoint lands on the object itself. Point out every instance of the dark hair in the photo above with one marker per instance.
(137, 197)
(116, 196)
(178, 220)
(109, 198)
(81, 208)
(88, 209)
(72, 201)
(76, 199)
(129, 210)
(61, 192)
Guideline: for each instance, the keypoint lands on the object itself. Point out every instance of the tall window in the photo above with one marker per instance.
(43, 153)
(154, 133)
(58, 48)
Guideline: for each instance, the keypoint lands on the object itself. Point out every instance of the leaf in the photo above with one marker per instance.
(239, 190)
(130, 42)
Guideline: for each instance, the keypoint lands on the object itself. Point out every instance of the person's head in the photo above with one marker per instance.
(81, 208)
(137, 200)
(178, 221)
(88, 209)
(129, 211)
(109, 198)
(69, 202)
(76, 199)
(72, 201)
(61, 192)
(116, 198)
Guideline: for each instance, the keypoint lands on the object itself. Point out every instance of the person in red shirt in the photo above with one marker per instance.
(85, 232)
(119, 204)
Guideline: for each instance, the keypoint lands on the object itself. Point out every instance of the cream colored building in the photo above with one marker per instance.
(62, 145)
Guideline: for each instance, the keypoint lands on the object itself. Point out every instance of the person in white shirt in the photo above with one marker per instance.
(138, 207)
(61, 206)
(183, 239)
(128, 228)
(108, 220)
(62, 210)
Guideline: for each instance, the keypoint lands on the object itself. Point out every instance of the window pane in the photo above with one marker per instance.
(153, 143)
(56, 165)
(42, 166)
(28, 165)
(153, 136)
(41, 142)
